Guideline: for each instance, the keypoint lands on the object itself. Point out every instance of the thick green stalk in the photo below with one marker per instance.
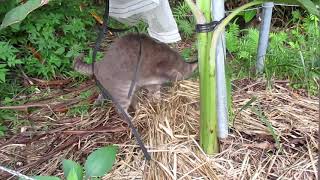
(208, 109)
(200, 19)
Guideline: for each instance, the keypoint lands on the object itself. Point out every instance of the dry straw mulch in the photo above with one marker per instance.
(170, 131)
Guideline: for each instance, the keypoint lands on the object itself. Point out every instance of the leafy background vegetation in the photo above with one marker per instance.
(47, 40)
(293, 53)
(44, 45)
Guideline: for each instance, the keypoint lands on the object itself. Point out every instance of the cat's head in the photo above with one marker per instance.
(177, 69)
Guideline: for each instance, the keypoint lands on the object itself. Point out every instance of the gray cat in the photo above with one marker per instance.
(159, 64)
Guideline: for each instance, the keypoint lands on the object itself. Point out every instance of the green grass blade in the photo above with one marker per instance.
(244, 107)
(265, 120)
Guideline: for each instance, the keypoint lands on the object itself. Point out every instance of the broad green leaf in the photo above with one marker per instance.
(42, 178)
(73, 175)
(69, 166)
(100, 161)
(310, 6)
(249, 15)
(19, 13)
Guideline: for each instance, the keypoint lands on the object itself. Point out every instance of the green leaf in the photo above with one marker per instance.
(186, 53)
(310, 6)
(249, 15)
(12, 61)
(3, 129)
(70, 166)
(100, 161)
(19, 13)
(254, 98)
(3, 73)
(264, 120)
(60, 51)
(42, 178)
(73, 175)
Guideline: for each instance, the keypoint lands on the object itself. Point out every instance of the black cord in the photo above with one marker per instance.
(208, 27)
(101, 34)
(105, 92)
(135, 75)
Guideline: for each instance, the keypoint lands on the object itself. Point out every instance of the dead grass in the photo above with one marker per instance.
(170, 131)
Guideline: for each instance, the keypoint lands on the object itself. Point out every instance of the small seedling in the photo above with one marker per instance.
(98, 163)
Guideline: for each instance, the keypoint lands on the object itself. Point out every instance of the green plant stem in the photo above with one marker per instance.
(200, 19)
(208, 109)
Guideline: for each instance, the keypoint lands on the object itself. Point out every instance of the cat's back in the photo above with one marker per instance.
(122, 56)
(126, 49)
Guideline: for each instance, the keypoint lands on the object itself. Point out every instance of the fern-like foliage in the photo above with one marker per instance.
(292, 54)
(232, 38)
(250, 41)
(185, 21)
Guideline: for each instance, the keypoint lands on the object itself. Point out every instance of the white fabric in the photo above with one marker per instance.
(156, 13)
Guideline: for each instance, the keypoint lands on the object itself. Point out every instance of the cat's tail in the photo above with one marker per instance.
(82, 67)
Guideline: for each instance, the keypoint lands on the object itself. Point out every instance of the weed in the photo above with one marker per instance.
(184, 19)
(86, 94)
(186, 53)
(265, 121)
(9, 59)
(83, 107)
(9, 118)
(46, 42)
(79, 110)
(98, 163)
(292, 54)
(43, 46)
